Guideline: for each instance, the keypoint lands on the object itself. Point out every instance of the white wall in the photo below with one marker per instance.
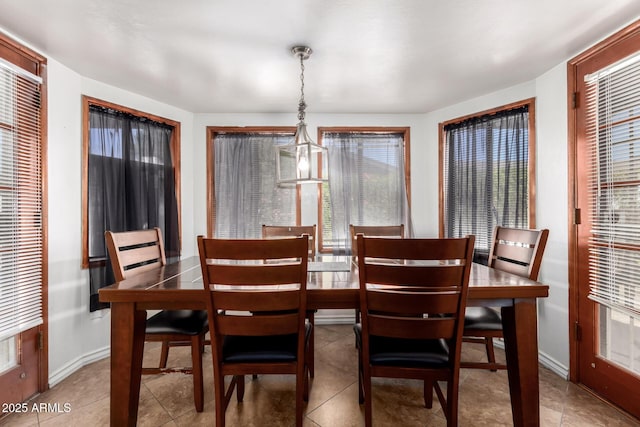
(77, 337)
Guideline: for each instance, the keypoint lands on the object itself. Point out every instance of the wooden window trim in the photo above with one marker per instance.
(175, 154)
(212, 131)
(405, 130)
(531, 104)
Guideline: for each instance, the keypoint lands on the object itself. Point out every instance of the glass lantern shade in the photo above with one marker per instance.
(301, 162)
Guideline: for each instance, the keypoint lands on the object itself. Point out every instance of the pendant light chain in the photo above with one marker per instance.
(301, 104)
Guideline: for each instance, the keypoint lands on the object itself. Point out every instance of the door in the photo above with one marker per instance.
(23, 366)
(606, 274)
(19, 364)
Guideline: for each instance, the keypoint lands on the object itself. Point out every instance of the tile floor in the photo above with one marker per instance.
(167, 400)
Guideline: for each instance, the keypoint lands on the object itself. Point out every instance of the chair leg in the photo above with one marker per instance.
(219, 398)
(196, 360)
(357, 320)
(491, 356)
(451, 410)
(360, 383)
(312, 339)
(240, 384)
(428, 394)
(366, 389)
(300, 391)
(305, 395)
(164, 354)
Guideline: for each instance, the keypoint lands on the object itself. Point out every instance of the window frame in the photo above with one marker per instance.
(531, 168)
(175, 154)
(212, 131)
(405, 130)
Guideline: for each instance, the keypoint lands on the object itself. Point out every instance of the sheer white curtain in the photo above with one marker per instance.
(366, 184)
(246, 193)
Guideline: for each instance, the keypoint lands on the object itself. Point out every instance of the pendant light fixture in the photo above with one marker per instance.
(304, 161)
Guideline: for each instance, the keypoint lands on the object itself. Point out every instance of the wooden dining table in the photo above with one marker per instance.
(179, 286)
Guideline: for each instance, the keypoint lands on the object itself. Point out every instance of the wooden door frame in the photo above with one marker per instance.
(574, 100)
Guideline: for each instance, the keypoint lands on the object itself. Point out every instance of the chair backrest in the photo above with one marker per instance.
(414, 288)
(249, 292)
(133, 252)
(271, 231)
(396, 231)
(518, 250)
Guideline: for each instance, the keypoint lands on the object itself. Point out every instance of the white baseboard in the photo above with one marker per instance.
(553, 365)
(346, 318)
(68, 369)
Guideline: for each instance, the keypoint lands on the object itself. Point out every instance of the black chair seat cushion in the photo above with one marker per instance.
(385, 351)
(482, 318)
(184, 322)
(262, 349)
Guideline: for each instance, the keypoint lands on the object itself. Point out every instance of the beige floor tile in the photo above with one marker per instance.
(167, 400)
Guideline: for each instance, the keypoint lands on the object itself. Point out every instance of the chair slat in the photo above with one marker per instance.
(519, 235)
(244, 249)
(130, 238)
(256, 301)
(424, 275)
(271, 231)
(145, 254)
(510, 267)
(411, 328)
(414, 302)
(257, 325)
(258, 274)
(523, 255)
(424, 249)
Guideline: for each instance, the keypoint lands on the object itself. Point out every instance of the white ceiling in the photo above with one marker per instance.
(370, 56)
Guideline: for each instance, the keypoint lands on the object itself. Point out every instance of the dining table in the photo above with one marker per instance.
(332, 284)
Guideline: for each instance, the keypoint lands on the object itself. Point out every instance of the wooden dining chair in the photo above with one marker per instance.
(396, 231)
(515, 250)
(256, 297)
(279, 231)
(134, 252)
(413, 294)
(271, 231)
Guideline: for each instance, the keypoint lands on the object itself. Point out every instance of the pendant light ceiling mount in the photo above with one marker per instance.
(303, 52)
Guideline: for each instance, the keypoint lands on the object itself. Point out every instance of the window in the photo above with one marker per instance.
(131, 167)
(242, 193)
(368, 182)
(487, 173)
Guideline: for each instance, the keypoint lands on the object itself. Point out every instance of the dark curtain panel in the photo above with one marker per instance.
(486, 176)
(131, 187)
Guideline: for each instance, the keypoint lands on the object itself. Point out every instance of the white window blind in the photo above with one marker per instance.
(21, 240)
(613, 137)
